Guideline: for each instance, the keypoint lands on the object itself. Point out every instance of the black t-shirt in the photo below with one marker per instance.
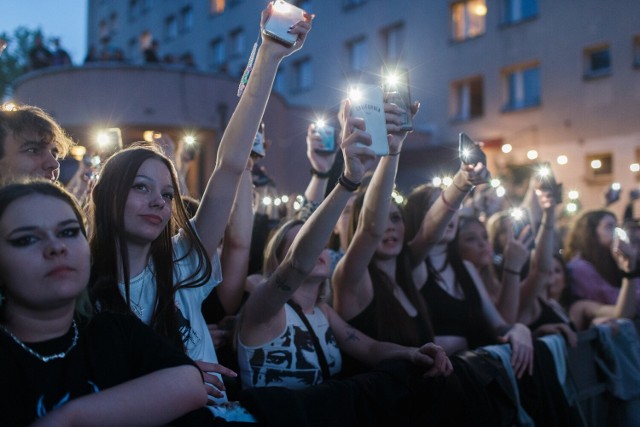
(111, 349)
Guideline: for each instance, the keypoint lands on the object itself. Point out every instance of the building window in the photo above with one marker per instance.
(522, 87)
(170, 28)
(132, 47)
(146, 5)
(216, 6)
(236, 42)
(393, 42)
(599, 167)
(636, 51)
(186, 19)
(218, 54)
(134, 9)
(515, 11)
(303, 75)
(113, 23)
(357, 51)
(467, 98)
(597, 61)
(468, 19)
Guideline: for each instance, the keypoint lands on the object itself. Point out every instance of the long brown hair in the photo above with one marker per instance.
(109, 244)
(583, 240)
(392, 322)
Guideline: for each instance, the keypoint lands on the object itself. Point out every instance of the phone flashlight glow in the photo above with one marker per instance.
(517, 214)
(355, 94)
(543, 172)
(189, 139)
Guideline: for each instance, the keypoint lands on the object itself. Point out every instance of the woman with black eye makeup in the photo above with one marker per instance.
(59, 365)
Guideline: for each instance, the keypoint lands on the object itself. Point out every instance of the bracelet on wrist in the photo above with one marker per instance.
(347, 183)
(397, 153)
(320, 174)
(510, 271)
(449, 206)
(460, 189)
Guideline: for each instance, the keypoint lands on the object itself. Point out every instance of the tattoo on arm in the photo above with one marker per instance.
(281, 283)
(352, 335)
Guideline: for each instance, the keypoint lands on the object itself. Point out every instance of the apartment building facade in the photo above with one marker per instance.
(534, 80)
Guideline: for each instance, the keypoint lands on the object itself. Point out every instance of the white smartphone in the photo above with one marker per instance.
(283, 16)
(367, 102)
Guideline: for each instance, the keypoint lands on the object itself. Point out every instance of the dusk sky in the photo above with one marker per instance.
(65, 19)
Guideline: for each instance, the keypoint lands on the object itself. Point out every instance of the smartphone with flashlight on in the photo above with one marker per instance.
(469, 151)
(109, 142)
(519, 220)
(547, 181)
(327, 136)
(283, 16)
(367, 102)
(396, 88)
(257, 150)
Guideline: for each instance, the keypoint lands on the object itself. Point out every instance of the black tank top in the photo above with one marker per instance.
(448, 313)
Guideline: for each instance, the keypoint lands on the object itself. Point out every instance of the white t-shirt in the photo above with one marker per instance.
(290, 360)
(193, 327)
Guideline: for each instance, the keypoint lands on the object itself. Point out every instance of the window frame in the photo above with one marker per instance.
(511, 100)
(462, 98)
(467, 24)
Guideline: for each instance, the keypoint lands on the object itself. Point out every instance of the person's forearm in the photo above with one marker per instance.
(438, 217)
(316, 189)
(234, 259)
(375, 208)
(154, 399)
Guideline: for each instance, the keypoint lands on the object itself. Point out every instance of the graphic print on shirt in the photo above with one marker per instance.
(190, 337)
(42, 410)
(290, 360)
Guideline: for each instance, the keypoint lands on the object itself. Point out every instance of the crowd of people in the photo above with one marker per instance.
(128, 302)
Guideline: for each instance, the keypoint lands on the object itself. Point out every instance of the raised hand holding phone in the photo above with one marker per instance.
(473, 159)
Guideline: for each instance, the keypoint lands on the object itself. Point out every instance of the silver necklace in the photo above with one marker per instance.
(136, 307)
(51, 357)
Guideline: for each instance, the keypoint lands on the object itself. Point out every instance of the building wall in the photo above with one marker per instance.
(576, 116)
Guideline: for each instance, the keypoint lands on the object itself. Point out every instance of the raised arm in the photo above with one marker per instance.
(351, 280)
(234, 259)
(438, 216)
(542, 260)
(215, 206)
(267, 301)
(154, 399)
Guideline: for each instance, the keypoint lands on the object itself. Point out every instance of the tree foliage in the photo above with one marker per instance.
(14, 61)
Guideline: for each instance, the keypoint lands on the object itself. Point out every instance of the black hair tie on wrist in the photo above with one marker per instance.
(347, 183)
(320, 174)
(631, 274)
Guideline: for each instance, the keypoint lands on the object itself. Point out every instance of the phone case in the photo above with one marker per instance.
(328, 135)
(398, 93)
(370, 107)
(258, 145)
(469, 151)
(283, 16)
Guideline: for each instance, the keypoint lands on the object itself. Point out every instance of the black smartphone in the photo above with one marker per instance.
(396, 87)
(109, 142)
(327, 134)
(283, 16)
(519, 220)
(547, 181)
(613, 193)
(469, 151)
(257, 150)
